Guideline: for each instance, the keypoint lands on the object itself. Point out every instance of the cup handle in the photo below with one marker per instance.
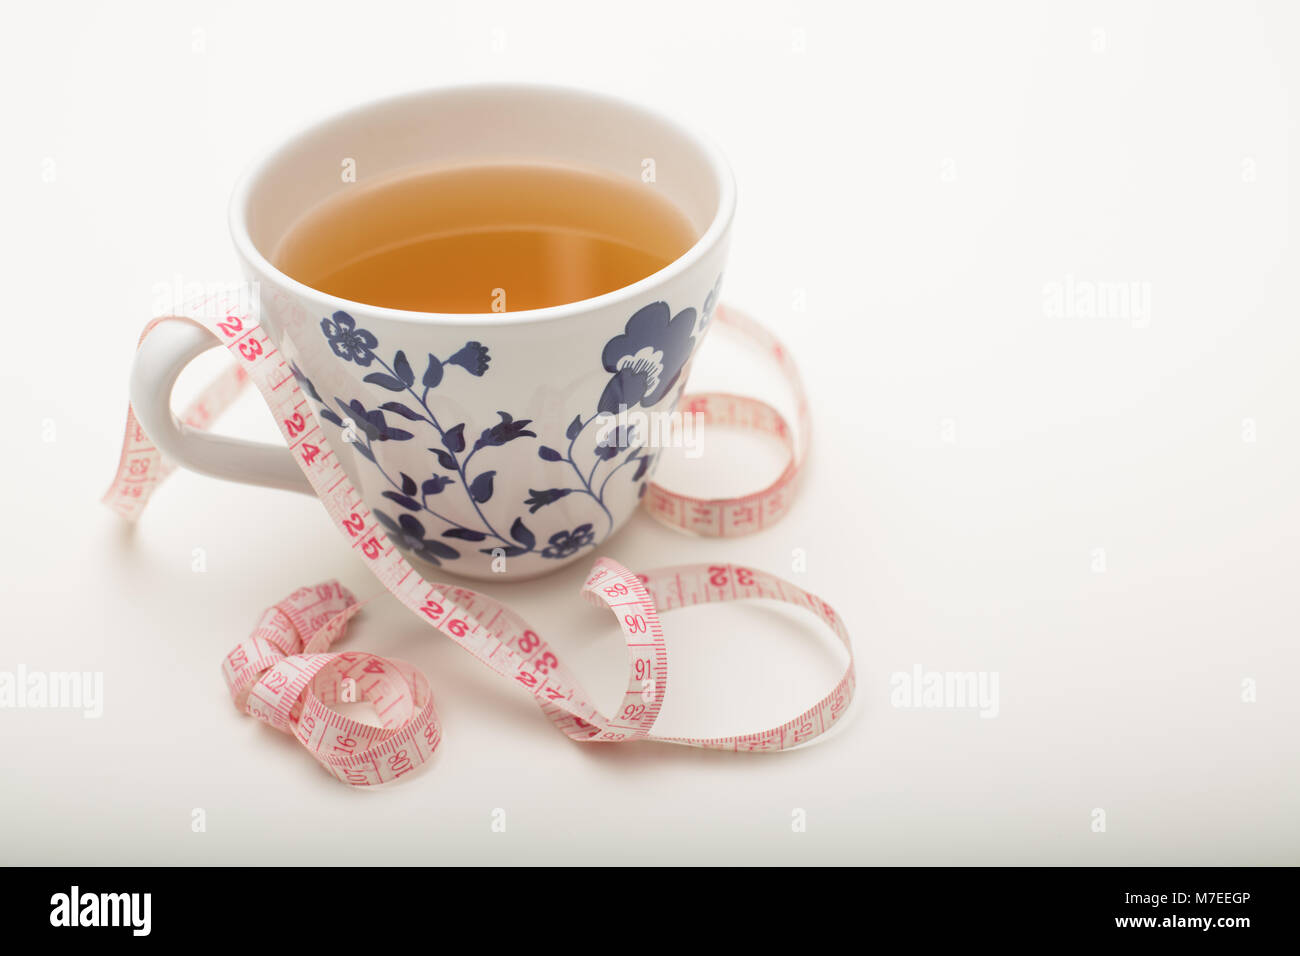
(164, 353)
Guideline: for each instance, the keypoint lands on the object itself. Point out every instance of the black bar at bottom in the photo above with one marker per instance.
(332, 905)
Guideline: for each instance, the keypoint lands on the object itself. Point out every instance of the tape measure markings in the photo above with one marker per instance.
(283, 673)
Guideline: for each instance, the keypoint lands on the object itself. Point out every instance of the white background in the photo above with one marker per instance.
(918, 175)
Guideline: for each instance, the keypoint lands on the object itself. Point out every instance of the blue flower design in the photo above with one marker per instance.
(564, 543)
(473, 357)
(408, 533)
(648, 357)
(644, 362)
(348, 341)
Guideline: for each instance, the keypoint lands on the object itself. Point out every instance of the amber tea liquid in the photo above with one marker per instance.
(484, 238)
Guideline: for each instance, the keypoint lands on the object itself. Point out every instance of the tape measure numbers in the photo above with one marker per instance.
(285, 674)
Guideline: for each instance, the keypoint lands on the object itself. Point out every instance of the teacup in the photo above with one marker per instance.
(505, 463)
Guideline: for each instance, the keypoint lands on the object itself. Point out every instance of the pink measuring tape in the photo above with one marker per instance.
(284, 673)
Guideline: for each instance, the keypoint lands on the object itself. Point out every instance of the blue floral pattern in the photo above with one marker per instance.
(409, 532)
(347, 341)
(647, 358)
(644, 361)
(473, 358)
(564, 543)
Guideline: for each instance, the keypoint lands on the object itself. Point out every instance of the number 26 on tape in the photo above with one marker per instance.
(433, 611)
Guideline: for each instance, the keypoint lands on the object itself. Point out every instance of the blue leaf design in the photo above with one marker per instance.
(536, 499)
(464, 534)
(397, 408)
(519, 531)
(304, 382)
(433, 374)
(510, 552)
(403, 369)
(385, 381)
(329, 416)
(408, 484)
(408, 503)
(434, 485)
(444, 459)
(454, 439)
(481, 488)
(546, 453)
(441, 550)
(392, 526)
(575, 428)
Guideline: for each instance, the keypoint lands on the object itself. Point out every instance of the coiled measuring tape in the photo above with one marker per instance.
(284, 673)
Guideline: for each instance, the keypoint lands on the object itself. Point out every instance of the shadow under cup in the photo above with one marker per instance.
(489, 444)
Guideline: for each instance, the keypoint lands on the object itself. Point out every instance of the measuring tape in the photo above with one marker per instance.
(284, 674)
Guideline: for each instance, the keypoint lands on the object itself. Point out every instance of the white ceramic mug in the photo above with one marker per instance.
(475, 439)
